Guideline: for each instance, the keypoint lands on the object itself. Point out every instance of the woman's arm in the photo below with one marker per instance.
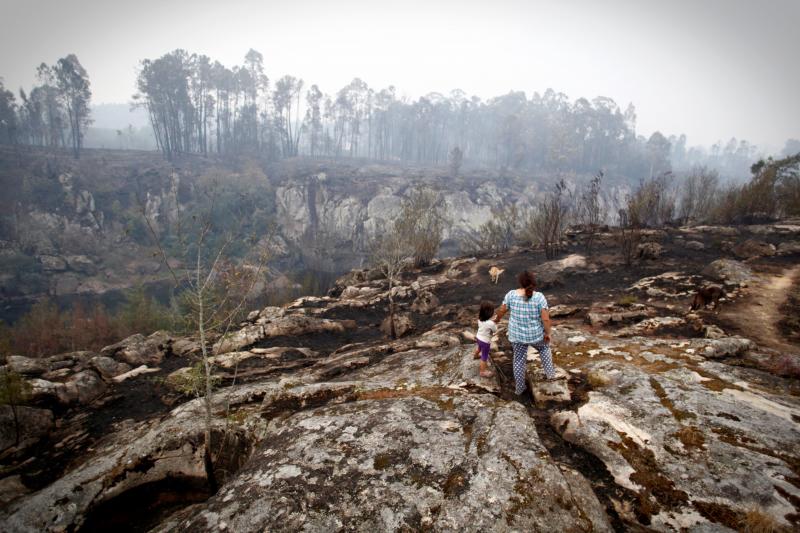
(546, 324)
(500, 313)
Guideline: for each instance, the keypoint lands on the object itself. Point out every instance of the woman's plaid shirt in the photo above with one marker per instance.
(525, 323)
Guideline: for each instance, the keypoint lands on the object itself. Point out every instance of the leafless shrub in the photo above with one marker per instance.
(698, 194)
(628, 236)
(726, 208)
(389, 254)
(545, 224)
(589, 211)
(652, 203)
(421, 224)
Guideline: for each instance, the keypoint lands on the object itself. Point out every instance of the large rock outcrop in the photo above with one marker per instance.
(693, 447)
(287, 325)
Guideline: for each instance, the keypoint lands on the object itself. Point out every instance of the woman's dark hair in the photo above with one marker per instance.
(487, 310)
(527, 280)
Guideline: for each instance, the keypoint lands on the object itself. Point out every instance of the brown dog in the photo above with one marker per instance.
(707, 294)
(495, 272)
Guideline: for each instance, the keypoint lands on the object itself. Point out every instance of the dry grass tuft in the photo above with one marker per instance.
(598, 379)
(627, 300)
(756, 520)
(625, 510)
(691, 437)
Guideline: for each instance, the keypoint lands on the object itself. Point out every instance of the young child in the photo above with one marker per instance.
(486, 328)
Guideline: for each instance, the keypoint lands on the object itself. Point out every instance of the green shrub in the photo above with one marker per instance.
(627, 300)
(192, 381)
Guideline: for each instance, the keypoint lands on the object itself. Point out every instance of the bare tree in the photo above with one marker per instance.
(215, 287)
(390, 254)
(421, 223)
(545, 224)
(590, 213)
(640, 207)
(73, 87)
(628, 237)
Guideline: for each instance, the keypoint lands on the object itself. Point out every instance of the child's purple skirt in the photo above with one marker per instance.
(484, 347)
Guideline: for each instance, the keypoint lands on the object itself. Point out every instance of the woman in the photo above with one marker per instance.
(529, 325)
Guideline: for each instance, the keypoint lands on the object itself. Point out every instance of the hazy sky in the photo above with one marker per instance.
(712, 69)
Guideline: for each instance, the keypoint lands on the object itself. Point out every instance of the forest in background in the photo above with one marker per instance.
(196, 105)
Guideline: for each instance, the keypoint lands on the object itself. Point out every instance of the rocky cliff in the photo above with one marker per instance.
(660, 418)
(76, 227)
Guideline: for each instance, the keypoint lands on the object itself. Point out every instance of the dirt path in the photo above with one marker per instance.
(760, 312)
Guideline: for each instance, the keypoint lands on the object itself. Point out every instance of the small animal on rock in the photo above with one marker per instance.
(707, 294)
(495, 272)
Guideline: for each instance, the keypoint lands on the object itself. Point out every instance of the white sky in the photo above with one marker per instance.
(712, 69)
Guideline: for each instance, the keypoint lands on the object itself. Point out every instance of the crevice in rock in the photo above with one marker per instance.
(566, 454)
(145, 506)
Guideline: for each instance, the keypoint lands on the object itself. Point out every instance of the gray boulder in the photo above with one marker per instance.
(403, 324)
(550, 273)
(547, 391)
(600, 318)
(727, 347)
(33, 424)
(81, 264)
(185, 346)
(26, 365)
(108, 367)
(753, 248)
(53, 263)
(87, 386)
(649, 250)
(287, 325)
(140, 350)
(51, 392)
(460, 267)
(560, 311)
(426, 302)
(728, 270)
(398, 442)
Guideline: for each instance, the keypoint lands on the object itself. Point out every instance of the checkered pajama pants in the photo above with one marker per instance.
(521, 360)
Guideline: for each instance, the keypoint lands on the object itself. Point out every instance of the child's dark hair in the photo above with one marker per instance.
(487, 310)
(527, 280)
